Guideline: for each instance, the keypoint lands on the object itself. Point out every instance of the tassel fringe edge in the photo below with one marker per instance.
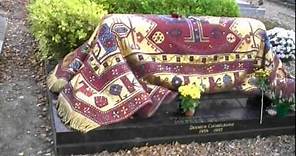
(72, 118)
(53, 83)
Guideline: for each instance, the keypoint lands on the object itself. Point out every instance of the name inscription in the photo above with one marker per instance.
(210, 128)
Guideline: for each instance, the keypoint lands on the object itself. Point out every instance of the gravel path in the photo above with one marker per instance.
(270, 146)
(278, 13)
(24, 121)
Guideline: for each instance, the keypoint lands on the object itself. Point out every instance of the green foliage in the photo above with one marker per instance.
(262, 76)
(62, 25)
(188, 104)
(164, 7)
(282, 105)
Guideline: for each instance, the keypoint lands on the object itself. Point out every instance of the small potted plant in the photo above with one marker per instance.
(189, 96)
(282, 106)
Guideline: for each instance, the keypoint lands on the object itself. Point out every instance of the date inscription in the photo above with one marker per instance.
(210, 128)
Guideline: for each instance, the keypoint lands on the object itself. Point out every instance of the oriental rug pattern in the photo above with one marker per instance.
(133, 63)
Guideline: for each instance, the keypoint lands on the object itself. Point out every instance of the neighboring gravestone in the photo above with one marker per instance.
(3, 25)
(250, 8)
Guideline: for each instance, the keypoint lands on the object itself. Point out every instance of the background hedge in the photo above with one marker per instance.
(183, 7)
(62, 25)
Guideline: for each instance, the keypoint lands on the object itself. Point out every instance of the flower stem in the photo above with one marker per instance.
(261, 114)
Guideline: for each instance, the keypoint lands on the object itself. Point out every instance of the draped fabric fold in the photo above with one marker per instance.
(133, 63)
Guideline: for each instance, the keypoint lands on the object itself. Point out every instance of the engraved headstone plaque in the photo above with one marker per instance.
(220, 117)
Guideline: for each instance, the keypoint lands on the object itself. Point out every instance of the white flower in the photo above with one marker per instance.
(282, 43)
(271, 112)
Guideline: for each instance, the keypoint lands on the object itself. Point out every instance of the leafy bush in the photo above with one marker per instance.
(62, 25)
(183, 7)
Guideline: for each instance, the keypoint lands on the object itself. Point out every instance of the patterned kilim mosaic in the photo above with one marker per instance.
(133, 63)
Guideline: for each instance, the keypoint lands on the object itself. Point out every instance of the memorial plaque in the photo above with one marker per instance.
(219, 117)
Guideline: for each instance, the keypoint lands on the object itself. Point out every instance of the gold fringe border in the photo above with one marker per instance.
(72, 118)
(53, 83)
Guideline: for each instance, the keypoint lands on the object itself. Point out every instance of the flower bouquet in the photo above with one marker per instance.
(263, 84)
(282, 42)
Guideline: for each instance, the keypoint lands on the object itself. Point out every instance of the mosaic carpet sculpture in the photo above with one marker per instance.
(133, 63)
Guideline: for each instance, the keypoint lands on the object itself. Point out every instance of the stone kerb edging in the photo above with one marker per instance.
(3, 26)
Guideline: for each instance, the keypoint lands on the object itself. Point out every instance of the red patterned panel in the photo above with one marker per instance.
(101, 101)
(193, 36)
(128, 84)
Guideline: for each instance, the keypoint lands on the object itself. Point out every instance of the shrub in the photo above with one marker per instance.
(183, 7)
(62, 25)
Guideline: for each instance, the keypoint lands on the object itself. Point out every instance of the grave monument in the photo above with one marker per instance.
(119, 89)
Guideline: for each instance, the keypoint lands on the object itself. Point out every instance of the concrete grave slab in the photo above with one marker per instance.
(248, 10)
